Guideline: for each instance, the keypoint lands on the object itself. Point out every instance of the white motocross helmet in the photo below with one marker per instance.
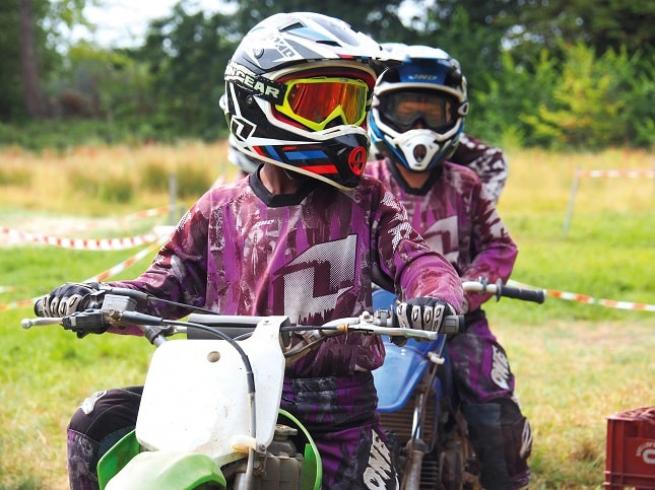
(419, 107)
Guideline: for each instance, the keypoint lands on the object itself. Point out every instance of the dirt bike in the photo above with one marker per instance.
(418, 404)
(222, 426)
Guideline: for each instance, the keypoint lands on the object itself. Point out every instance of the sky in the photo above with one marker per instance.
(123, 23)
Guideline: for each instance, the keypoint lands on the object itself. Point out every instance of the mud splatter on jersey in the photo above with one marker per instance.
(313, 260)
(458, 219)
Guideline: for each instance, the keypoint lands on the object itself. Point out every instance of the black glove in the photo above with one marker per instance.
(423, 313)
(66, 299)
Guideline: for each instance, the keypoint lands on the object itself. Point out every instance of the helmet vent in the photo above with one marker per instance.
(294, 26)
(328, 42)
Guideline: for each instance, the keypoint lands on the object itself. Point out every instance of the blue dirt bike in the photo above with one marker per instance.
(419, 407)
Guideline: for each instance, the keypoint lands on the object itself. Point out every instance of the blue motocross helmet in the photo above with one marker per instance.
(418, 108)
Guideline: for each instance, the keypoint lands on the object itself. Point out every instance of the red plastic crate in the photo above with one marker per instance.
(630, 457)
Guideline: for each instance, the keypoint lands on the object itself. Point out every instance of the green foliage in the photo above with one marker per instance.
(514, 92)
(49, 16)
(103, 84)
(186, 55)
(378, 19)
(592, 102)
(458, 31)
(62, 133)
(549, 73)
(611, 24)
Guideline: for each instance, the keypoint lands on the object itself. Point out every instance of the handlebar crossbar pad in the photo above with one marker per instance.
(231, 325)
(534, 295)
(231, 331)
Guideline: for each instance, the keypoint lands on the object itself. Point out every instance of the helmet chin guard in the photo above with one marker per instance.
(419, 147)
(419, 107)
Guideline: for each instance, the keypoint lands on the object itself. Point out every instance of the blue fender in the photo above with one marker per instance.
(404, 366)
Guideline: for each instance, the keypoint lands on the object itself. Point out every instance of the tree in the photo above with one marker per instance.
(29, 61)
(187, 54)
(378, 19)
(29, 34)
(604, 24)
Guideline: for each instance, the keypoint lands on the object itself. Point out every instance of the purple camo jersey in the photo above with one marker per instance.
(239, 251)
(458, 219)
(488, 162)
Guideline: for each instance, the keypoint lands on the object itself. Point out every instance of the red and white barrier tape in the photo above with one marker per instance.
(139, 215)
(589, 300)
(103, 276)
(147, 213)
(126, 264)
(631, 174)
(21, 237)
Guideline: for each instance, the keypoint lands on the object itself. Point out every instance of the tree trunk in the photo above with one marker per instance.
(29, 62)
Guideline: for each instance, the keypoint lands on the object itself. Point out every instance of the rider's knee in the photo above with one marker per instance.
(105, 412)
(502, 438)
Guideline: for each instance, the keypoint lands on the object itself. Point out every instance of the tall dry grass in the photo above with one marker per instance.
(541, 181)
(97, 180)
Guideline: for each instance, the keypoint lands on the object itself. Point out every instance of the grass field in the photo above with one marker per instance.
(575, 364)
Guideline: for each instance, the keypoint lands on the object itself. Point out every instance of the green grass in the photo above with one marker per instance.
(575, 364)
(570, 377)
(607, 255)
(46, 372)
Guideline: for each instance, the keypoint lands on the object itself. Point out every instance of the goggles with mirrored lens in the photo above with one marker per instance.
(404, 109)
(316, 102)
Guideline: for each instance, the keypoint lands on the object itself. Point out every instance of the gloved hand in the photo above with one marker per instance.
(66, 299)
(423, 313)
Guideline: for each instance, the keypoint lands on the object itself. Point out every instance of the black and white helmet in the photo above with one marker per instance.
(297, 92)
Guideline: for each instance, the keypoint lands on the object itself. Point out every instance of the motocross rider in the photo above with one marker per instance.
(416, 121)
(304, 236)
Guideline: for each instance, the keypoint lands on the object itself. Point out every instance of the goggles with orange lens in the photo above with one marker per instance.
(403, 108)
(316, 102)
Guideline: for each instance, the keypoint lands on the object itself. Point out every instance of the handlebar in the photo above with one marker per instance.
(118, 311)
(112, 307)
(501, 290)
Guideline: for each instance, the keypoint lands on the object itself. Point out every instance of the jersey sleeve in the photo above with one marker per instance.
(179, 271)
(404, 258)
(494, 250)
(488, 162)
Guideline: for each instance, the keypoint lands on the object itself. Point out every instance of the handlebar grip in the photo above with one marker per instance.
(453, 324)
(534, 295)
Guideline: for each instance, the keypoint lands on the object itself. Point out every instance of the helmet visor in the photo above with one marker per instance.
(404, 109)
(316, 102)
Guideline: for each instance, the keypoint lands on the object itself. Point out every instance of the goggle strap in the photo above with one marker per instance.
(258, 85)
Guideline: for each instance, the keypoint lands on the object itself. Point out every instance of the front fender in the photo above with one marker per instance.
(124, 468)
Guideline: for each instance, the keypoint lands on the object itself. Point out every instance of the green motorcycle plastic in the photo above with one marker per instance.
(164, 470)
